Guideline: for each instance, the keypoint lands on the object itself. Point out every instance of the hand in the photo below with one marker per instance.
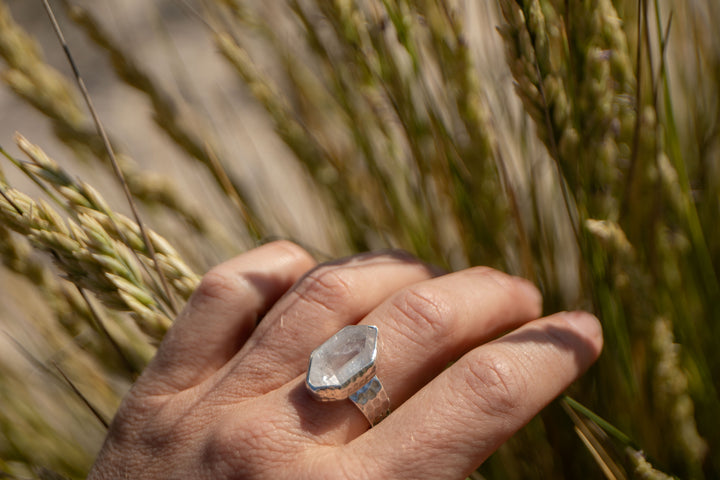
(224, 398)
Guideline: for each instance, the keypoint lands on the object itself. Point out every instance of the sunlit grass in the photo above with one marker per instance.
(595, 177)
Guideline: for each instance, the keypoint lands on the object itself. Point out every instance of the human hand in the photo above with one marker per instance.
(225, 399)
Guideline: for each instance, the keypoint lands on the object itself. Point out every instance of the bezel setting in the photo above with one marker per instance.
(343, 364)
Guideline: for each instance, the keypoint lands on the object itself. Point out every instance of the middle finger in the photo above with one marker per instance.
(326, 299)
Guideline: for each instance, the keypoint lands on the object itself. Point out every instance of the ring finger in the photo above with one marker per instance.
(421, 329)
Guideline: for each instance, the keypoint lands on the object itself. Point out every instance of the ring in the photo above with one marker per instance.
(344, 367)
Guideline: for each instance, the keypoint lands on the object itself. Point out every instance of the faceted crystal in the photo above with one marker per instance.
(343, 360)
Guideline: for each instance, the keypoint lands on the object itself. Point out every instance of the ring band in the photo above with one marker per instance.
(344, 367)
(372, 401)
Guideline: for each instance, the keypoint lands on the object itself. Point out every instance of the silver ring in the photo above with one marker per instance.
(344, 367)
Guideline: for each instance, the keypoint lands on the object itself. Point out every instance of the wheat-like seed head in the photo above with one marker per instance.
(643, 468)
(180, 122)
(580, 99)
(31, 78)
(83, 199)
(670, 385)
(381, 103)
(89, 256)
(51, 93)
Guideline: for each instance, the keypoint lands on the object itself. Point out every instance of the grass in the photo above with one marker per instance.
(577, 146)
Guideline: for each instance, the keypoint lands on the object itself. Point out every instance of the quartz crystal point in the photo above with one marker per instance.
(344, 363)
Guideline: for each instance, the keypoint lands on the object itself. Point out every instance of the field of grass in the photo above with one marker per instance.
(575, 143)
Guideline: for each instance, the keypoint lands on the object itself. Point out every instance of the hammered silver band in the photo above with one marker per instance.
(344, 368)
(372, 400)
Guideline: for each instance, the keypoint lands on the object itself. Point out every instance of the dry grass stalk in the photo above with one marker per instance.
(380, 102)
(89, 257)
(90, 248)
(670, 385)
(182, 126)
(644, 469)
(302, 142)
(32, 79)
(574, 74)
(43, 87)
(82, 198)
(67, 306)
(581, 99)
(408, 147)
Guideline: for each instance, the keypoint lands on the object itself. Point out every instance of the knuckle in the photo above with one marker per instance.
(525, 298)
(216, 285)
(495, 383)
(327, 286)
(152, 427)
(228, 449)
(335, 463)
(223, 283)
(221, 456)
(423, 311)
(135, 413)
(248, 448)
(295, 251)
(496, 277)
(504, 282)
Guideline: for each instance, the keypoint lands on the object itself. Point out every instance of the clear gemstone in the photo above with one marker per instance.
(344, 358)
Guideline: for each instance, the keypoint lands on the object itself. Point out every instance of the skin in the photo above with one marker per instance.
(224, 398)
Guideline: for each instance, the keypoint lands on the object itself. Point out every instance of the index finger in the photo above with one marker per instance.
(453, 424)
(222, 313)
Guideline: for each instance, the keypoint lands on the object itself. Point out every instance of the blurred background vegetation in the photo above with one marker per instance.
(575, 143)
